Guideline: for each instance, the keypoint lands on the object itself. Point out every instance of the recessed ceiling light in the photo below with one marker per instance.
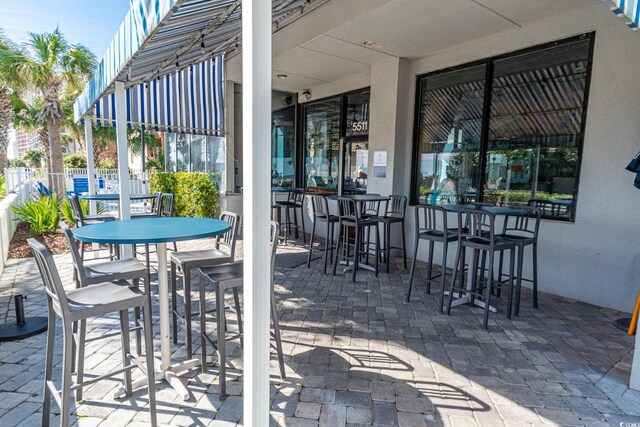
(282, 76)
(372, 43)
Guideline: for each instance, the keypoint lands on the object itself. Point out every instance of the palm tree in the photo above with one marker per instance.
(25, 117)
(6, 111)
(57, 70)
(5, 122)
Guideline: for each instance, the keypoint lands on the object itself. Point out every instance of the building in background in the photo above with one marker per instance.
(24, 141)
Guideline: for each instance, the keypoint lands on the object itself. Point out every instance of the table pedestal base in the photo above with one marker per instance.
(361, 266)
(170, 375)
(466, 299)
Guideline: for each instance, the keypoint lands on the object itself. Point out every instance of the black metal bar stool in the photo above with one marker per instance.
(294, 204)
(351, 218)
(394, 214)
(523, 230)
(431, 225)
(321, 214)
(476, 231)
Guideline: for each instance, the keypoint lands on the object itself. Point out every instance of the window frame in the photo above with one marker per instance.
(301, 141)
(486, 114)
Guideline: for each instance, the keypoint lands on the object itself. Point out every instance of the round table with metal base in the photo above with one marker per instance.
(158, 231)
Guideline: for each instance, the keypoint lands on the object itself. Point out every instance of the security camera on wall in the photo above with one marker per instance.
(306, 94)
(288, 100)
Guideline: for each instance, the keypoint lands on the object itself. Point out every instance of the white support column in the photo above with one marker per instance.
(256, 115)
(634, 381)
(123, 160)
(229, 118)
(88, 136)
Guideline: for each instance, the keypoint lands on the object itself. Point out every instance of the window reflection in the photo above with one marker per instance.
(535, 128)
(322, 146)
(283, 148)
(356, 149)
(449, 136)
(197, 153)
(526, 133)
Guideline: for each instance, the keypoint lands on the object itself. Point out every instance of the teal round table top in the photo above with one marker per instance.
(114, 196)
(151, 230)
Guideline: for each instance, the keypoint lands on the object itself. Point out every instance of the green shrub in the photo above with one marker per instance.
(195, 194)
(17, 163)
(523, 196)
(75, 161)
(67, 212)
(3, 186)
(42, 214)
(107, 164)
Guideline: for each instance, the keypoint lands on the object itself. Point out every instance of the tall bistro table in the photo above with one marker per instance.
(360, 200)
(159, 231)
(494, 210)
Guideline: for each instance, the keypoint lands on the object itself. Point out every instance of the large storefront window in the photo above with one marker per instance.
(518, 144)
(333, 128)
(283, 148)
(196, 153)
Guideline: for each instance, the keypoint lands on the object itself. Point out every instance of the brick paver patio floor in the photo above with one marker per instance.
(357, 354)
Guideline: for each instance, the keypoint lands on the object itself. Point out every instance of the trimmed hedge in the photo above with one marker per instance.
(195, 194)
(523, 196)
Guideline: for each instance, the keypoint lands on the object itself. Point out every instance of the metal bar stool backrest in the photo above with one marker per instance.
(156, 201)
(298, 196)
(476, 225)
(50, 277)
(166, 205)
(431, 219)
(320, 206)
(76, 258)
(229, 238)
(348, 209)
(525, 225)
(549, 208)
(396, 206)
(76, 208)
(273, 243)
(371, 208)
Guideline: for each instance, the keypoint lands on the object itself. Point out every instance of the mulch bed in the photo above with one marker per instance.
(19, 248)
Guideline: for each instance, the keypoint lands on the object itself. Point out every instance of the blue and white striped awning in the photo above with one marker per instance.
(188, 101)
(627, 9)
(159, 37)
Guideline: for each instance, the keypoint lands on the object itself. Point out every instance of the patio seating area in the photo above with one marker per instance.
(358, 354)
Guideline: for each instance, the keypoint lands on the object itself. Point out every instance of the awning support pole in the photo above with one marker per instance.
(256, 101)
(88, 136)
(123, 161)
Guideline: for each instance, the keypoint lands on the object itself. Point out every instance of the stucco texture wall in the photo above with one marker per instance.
(597, 258)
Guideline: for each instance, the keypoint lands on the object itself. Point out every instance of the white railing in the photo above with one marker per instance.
(76, 180)
(18, 194)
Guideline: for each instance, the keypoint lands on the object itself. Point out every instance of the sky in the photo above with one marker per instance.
(90, 22)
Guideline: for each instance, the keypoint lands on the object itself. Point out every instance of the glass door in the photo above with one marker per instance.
(333, 127)
(322, 143)
(283, 148)
(356, 143)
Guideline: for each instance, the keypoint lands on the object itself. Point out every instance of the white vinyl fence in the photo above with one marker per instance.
(76, 180)
(22, 184)
(18, 194)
